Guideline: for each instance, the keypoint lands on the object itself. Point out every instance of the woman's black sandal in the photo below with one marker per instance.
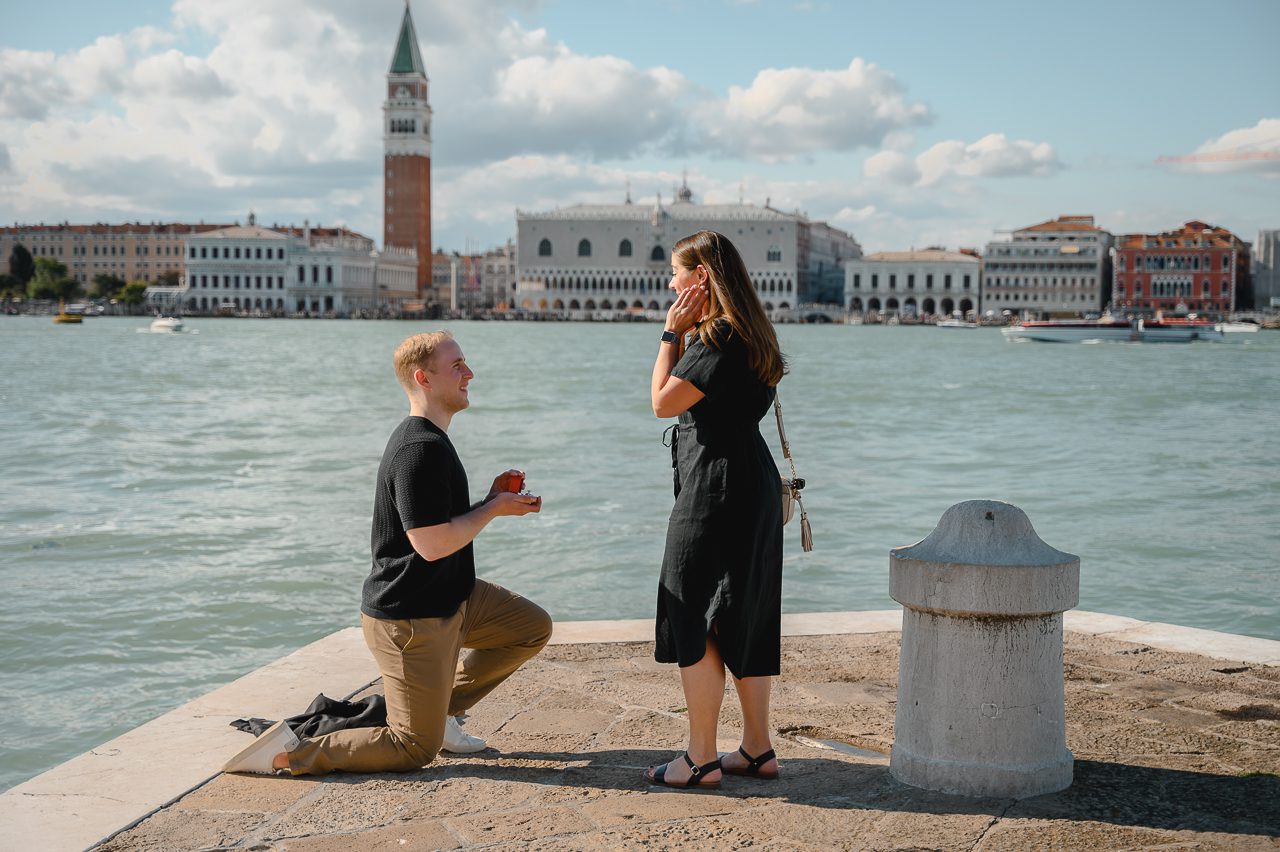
(752, 769)
(657, 774)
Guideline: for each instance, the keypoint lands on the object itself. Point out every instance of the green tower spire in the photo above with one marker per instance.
(407, 59)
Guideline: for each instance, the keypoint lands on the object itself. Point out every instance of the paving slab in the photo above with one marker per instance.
(1174, 748)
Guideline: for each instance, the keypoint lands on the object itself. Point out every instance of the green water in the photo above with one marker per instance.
(180, 509)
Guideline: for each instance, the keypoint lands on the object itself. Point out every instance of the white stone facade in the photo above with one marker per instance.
(617, 257)
(252, 269)
(929, 282)
(1057, 268)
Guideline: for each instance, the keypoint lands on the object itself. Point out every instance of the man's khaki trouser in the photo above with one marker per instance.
(424, 680)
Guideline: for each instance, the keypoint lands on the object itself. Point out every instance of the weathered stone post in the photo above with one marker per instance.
(980, 681)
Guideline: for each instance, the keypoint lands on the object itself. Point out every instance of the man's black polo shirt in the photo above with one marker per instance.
(421, 483)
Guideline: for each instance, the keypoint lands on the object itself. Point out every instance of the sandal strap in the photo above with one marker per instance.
(696, 772)
(754, 763)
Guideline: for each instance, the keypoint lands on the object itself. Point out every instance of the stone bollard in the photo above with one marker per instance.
(980, 682)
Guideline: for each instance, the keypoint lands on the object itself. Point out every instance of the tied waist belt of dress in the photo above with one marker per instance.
(671, 436)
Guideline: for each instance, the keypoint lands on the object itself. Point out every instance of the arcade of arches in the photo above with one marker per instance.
(944, 307)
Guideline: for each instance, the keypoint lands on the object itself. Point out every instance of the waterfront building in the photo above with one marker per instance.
(406, 135)
(1197, 267)
(498, 276)
(1059, 268)
(131, 251)
(925, 282)
(293, 270)
(1266, 270)
(614, 257)
(455, 281)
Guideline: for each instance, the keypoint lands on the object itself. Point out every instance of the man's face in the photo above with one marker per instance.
(448, 375)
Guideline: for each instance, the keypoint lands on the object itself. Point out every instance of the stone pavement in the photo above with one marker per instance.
(1173, 751)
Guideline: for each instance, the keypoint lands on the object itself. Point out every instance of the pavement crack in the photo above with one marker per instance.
(995, 819)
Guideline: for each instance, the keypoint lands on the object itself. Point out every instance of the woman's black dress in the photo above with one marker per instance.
(723, 560)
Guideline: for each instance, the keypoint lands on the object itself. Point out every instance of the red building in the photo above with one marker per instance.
(1198, 268)
(407, 153)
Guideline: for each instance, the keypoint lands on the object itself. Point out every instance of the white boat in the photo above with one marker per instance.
(955, 323)
(171, 325)
(1237, 332)
(1176, 330)
(1072, 331)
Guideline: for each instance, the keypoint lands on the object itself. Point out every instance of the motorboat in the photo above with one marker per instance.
(68, 317)
(1157, 330)
(955, 323)
(1072, 331)
(171, 325)
(1179, 330)
(1237, 332)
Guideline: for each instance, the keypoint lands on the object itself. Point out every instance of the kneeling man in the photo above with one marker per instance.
(422, 602)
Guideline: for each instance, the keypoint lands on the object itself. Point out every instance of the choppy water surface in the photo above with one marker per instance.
(180, 509)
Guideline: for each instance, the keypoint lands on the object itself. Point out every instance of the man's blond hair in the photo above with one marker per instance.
(415, 353)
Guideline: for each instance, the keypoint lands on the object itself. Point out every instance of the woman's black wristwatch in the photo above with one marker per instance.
(669, 336)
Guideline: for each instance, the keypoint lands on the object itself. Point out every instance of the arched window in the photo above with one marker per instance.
(584, 248)
(624, 248)
(544, 248)
(775, 254)
(657, 254)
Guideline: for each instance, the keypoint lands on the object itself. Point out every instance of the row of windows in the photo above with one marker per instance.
(257, 304)
(1158, 262)
(1040, 282)
(100, 251)
(643, 285)
(606, 305)
(911, 281)
(1035, 297)
(1174, 289)
(233, 281)
(404, 125)
(927, 306)
(254, 253)
(773, 255)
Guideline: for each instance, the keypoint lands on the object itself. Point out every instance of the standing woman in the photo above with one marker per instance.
(720, 594)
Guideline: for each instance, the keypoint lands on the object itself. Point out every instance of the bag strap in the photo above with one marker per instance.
(806, 534)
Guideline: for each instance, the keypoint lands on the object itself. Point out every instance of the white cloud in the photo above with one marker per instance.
(282, 113)
(994, 155)
(1248, 149)
(793, 112)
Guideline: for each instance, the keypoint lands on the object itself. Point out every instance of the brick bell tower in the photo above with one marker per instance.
(406, 135)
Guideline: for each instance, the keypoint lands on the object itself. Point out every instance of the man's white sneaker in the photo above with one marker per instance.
(456, 741)
(257, 756)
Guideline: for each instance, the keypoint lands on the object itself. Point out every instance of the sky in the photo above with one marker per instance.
(908, 123)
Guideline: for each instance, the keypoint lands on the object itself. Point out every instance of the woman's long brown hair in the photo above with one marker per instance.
(732, 298)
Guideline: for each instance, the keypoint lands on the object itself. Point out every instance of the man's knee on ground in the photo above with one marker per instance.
(416, 749)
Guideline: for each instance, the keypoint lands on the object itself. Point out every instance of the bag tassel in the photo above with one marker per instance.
(806, 534)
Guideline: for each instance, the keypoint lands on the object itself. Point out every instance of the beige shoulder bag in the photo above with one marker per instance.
(792, 487)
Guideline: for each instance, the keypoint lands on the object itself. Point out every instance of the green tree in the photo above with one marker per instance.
(169, 278)
(106, 285)
(51, 281)
(21, 266)
(10, 286)
(133, 293)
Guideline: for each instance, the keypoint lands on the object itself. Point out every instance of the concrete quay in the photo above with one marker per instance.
(1175, 732)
